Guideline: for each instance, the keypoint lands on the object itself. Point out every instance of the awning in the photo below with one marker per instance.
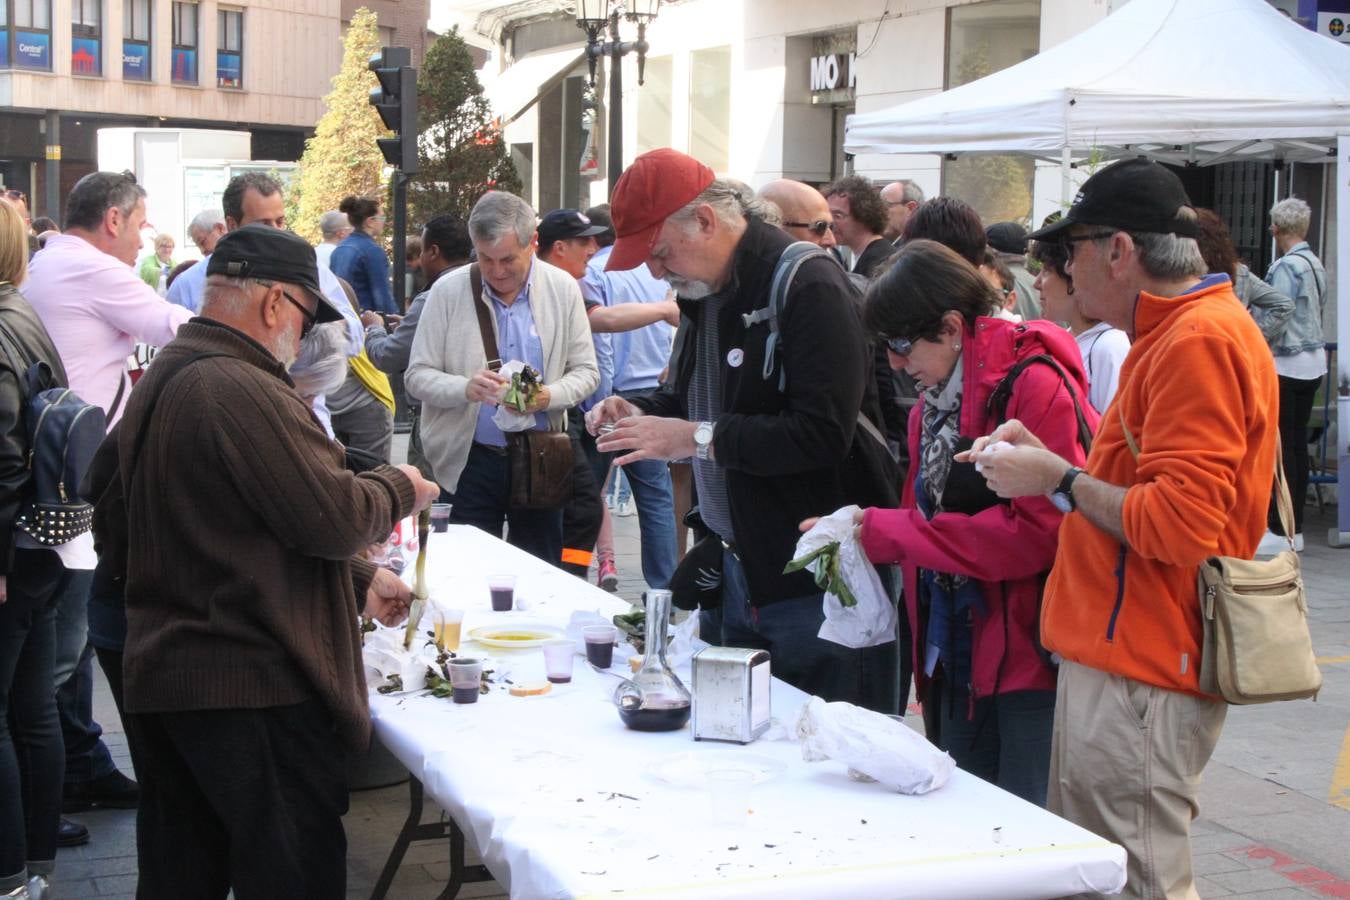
(518, 88)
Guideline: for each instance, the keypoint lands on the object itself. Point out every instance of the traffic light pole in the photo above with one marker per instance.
(396, 101)
(400, 239)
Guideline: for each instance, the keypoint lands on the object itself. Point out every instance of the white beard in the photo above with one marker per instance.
(285, 347)
(687, 288)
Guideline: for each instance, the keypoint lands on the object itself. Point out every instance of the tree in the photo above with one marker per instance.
(998, 187)
(342, 157)
(462, 151)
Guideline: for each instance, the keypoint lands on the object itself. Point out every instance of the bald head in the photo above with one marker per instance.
(901, 199)
(804, 207)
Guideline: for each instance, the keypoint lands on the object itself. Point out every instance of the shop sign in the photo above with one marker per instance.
(32, 50)
(135, 61)
(833, 72)
(85, 56)
(185, 66)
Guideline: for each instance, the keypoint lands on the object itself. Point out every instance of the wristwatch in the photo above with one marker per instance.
(1063, 494)
(703, 435)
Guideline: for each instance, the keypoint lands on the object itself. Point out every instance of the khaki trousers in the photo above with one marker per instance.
(1125, 764)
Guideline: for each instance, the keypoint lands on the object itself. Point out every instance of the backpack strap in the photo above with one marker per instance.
(784, 271)
(1318, 283)
(997, 404)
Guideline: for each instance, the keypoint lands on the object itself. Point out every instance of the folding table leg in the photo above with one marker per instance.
(415, 830)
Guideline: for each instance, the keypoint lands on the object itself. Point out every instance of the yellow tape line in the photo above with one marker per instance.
(1332, 660)
(835, 870)
(1339, 795)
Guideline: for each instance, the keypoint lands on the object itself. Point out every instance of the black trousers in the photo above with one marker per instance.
(1296, 405)
(584, 513)
(243, 799)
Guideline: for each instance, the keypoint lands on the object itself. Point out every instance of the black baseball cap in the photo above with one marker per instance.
(1007, 237)
(562, 224)
(1131, 195)
(270, 254)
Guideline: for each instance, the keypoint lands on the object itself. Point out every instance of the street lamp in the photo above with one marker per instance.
(592, 17)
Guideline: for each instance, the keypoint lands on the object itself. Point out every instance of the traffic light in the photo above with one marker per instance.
(396, 100)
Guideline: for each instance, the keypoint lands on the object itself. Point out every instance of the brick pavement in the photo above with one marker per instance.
(1275, 804)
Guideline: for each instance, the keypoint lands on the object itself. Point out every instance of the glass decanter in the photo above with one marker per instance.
(654, 699)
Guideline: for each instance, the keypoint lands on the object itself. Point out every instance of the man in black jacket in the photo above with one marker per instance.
(769, 451)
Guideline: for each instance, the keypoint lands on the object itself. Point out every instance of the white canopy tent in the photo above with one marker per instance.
(1195, 82)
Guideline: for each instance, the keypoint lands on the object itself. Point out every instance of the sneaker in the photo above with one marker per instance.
(1273, 543)
(111, 791)
(38, 887)
(608, 576)
(625, 508)
(71, 834)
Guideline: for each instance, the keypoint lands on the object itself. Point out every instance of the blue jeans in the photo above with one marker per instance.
(787, 629)
(649, 480)
(87, 757)
(481, 499)
(31, 752)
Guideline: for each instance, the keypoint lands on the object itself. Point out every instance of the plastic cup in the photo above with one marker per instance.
(729, 795)
(600, 644)
(440, 517)
(466, 676)
(558, 657)
(448, 625)
(502, 588)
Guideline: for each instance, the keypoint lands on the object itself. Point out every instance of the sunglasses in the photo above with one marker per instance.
(310, 317)
(818, 227)
(900, 346)
(1069, 241)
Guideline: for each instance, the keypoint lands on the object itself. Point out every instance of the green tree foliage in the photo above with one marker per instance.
(342, 157)
(462, 153)
(998, 187)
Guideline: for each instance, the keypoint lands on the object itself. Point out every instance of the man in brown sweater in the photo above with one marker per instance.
(244, 685)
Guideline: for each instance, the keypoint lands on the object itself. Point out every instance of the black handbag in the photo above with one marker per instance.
(539, 462)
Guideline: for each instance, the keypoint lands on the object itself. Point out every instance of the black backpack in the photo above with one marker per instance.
(64, 432)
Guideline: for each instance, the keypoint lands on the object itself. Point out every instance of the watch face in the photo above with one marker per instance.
(1062, 502)
(703, 434)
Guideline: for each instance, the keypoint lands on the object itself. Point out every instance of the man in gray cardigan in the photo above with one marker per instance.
(539, 319)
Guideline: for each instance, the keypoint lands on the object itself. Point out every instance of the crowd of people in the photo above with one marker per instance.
(977, 392)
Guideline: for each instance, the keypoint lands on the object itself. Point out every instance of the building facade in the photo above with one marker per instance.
(71, 67)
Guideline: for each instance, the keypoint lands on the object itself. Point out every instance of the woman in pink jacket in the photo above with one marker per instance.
(974, 564)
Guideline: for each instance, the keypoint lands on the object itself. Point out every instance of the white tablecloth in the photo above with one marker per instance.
(556, 794)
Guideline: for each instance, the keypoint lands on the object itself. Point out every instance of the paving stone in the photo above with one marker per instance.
(1207, 888)
(1215, 863)
(116, 884)
(1250, 880)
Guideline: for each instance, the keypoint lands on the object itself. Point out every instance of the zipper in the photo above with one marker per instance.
(1120, 596)
(61, 485)
(38, 428)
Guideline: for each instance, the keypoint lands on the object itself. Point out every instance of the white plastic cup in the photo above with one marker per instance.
(558, 656)
(729, 795)
(440, 517)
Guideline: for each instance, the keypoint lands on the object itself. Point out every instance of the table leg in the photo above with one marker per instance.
(415, 830)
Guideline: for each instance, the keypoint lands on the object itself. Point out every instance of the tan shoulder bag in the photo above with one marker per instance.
(1255, 615)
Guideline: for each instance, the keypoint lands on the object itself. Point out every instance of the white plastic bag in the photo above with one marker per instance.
(878, 746)
(873, 620)
(506, 418)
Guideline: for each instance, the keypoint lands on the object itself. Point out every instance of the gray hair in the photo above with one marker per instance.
(1169, 256)
(205, 220)
(733, 202)
(96, 193)
(226, 296)
(333, 223)
(497, 214)
(910, 191)
(321, 365)
(1292, 216)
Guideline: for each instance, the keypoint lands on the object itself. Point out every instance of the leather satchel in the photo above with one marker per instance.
(540, 462)
(1257, 648)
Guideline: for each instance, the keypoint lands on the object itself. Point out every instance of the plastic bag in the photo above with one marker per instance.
(506, 418)
(878, 746)
(872, 619)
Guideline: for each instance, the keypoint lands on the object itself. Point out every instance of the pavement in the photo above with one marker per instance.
(1275, 804)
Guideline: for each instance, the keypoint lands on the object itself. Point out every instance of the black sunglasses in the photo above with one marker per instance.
(900, 346)
(818, 227)
(310, 317)
(1070, 240)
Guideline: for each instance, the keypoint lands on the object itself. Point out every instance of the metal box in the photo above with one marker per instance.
(731, 694)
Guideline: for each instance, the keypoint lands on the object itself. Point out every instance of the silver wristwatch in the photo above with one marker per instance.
(703, 436)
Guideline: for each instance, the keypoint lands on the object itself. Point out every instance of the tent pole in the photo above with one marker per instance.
(1340, 535)
(1065, 182)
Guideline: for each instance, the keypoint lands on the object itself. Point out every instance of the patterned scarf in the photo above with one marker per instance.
(941, 430)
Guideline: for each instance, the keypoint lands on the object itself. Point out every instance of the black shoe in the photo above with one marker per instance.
(71, 834)
(112, 791)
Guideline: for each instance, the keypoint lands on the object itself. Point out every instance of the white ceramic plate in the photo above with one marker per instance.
(516, 636)
(690, 769)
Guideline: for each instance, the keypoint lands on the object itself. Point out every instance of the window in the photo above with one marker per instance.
(983, 38)
(184, 69)
(710, 107)
(136, 40)
(653, 113)
(230, 48)
(27, 44)
(86, 37)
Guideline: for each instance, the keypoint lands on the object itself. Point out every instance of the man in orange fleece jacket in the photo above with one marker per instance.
(1199, 397)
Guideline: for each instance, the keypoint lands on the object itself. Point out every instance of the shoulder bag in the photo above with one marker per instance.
(540, 462)
(1255, 615)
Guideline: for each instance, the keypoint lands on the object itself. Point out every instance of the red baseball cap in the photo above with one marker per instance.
(658, 184)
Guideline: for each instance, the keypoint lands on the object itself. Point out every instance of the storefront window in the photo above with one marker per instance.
(710, 107)
(136, 40)
(983, 38)
(653, 114)
(86, 37)
(27, 42)
(230, 48)
(184, 69)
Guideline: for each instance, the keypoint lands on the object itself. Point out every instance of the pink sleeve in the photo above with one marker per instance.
(133, 307)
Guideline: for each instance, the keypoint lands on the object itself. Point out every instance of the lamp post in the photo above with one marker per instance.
(593, 16)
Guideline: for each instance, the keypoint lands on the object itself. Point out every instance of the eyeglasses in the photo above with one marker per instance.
(310, 317)
(818, 227)
(1069, 240)
(900, 346)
